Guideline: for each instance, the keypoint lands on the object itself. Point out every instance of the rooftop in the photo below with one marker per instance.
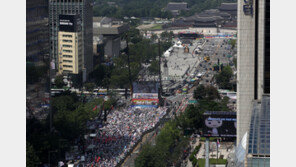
(108, 26)
(203, 18)
(97, 19)
(259, 136)
(177, 6)
(228, 6)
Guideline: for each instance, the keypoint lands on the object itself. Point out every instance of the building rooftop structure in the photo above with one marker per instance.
(228, 6)
(208, 18)
(231, 24)
(215, 12)
(258, 149)
(97, 19)
(254, 148)
(177, 6)
(108, 26)
(204, 20)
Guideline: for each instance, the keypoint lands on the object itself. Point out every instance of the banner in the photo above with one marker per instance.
(145, 95)
(145, 102)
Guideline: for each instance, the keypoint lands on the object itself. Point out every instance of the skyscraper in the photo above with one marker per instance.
(68, 7)
(37, 44)
(70, 45)
(253, 78)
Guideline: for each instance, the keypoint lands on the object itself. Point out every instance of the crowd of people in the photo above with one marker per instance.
(120, 134)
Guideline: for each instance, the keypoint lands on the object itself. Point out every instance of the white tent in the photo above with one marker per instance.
(167, 54)
(90, 147)
(178, 46)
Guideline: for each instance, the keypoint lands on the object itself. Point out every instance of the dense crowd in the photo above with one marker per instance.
(119, 135)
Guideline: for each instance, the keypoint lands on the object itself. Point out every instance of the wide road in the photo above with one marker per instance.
(216, 49)
(204, 30)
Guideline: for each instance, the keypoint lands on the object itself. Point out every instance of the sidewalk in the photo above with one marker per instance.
(188, 162)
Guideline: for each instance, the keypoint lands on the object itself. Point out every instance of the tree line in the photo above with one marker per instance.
(151, 8)
(70, 115)
(141, 51)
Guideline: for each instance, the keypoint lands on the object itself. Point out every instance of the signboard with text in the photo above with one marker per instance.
(248, 7)
(219, 124)
(69, 23)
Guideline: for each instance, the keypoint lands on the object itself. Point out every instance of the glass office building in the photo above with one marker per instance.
(258, 149)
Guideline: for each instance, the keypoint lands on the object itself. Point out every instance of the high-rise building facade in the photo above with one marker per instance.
(83, 8)
(253, 78)
(37, 43)
(70, 57)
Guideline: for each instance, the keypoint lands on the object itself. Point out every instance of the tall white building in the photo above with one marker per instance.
(253, 78)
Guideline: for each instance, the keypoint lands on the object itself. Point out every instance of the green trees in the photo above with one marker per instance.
(167, 36)
(223, 78)
(235, 62)
(174, 136)
(89, 86)
(190, 120)
(149, 157)
(170, 143)
(209, 99)
(154, 37)
(59, 83)
(32, 159)
(69, 122)
(99, 73)
(232, 43)
(35, 73)
(154, 67)
(206, 93)
(134, 35)
(151, 8)
(119, 75)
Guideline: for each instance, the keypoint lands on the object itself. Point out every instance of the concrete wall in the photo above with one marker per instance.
(112, 47)
(246, 64)
(261, 49)
(245, 76)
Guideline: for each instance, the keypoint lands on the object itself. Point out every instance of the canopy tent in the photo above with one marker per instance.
(90, 147)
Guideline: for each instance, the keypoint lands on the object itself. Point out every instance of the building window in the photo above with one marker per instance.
(67, 61)
(67, 46)
(67, 36)
(67, 66)
(67, 51)
(64, 40)
(67, 56)
(67, 71)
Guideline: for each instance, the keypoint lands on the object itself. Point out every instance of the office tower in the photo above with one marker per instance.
(83, 8)
(70, 58)
(253, 80)
(37, 43)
